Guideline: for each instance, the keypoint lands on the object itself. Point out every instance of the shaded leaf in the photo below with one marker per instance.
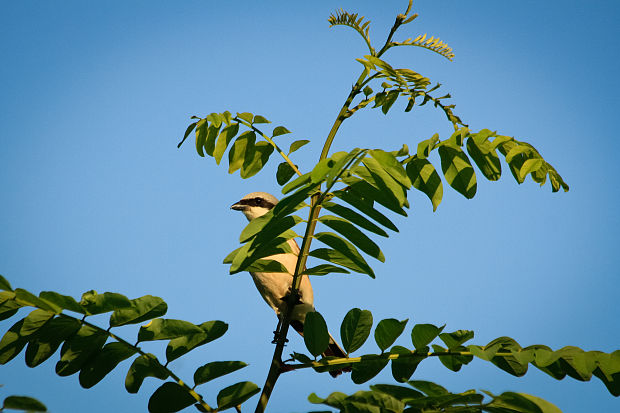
(170, 397)
(102, 303)
(458, 170)
(401, 393)
(164, 329)
(210, 331)
(216, 369)
(316, 336)
(48, 339)
(34, 321)
(354, 217)
(226, 135)
(12, 342)
(345, 248)
(404, 367)
(236, 394)
(485, 157)
(141, 309)
(63, 301)
(144, 366)
(367, 369)
(285, 173)
(252, 166)
(23, 403)
(392, 166)
(357, 237)
(260, 119)
(425, 178)
(4, 284)
(242, 151)
(355, 329)
(366, 207)
(78, 349)
(423, 334)
(387, 331)
(456, 338)
(324, 269)
(104, 362)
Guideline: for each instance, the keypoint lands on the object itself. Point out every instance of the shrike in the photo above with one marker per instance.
(275, 287)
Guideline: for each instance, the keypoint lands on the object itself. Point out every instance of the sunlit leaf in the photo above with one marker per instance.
(210, 331)
(102, 303)
(63, 301)
(142, 309)
(345, 248)
(164, 329)
(458, 170)
(280, 130)
(297, 145)
(242, 151)
(226, 135)
(425, 178)
(262, 152)
(324, 269)
(354, 217)
(4, 284)
(357, 237)
(12, 342)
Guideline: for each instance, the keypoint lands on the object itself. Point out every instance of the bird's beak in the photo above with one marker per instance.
(237, 206)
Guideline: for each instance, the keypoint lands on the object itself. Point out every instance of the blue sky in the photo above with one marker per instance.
(95, 96)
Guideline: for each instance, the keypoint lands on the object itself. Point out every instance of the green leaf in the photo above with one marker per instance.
(324, 269)
(345, 248)
(297, 145)
(426, 146)
(24, 297)
(357, 237)
(266, 266)
(458, 170)
(453, 362)
(429, 388)
(226, 135)
(211, 138)
(164, 329)
(425, 178)
(242, 151)
(366, 207)
(12, 342)
(531, 166)
(104, 362)
(367, 369)
(236, 394)
(296, 183)
(404, 367)
(402, 393)
(201, 135)
(34, 321)
(387, 331)
(262, 152)
(78, 349)
(285, 173)
(390, 98)
(170, 397)
(189, 130)
(4, 284)
(336, 257)
(210, 331)
(355, 329)
(216, 119)
(522, 403)
(142, 309)
(391, 194)
(144, 366)
(485, 157)
(456, 338)
(216, 369)
(48, 339)
(354, 217)
(316, 336)
(102, 303)
(260, 119)
(392, 166)
(509, 364)
(279, 130)
(423, 334)
(63, 301)
(23, 403)
(246, 116)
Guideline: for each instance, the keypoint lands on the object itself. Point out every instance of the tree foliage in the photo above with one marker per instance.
(337, 208)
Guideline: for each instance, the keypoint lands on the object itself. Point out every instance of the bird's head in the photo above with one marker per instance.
(255, 204)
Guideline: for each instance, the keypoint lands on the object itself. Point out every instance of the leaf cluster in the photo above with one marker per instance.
(503, 352)
(92, 352)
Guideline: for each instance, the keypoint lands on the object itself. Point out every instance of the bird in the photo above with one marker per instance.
(275, 287)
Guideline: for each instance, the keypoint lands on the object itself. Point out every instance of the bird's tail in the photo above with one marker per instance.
(333, 349)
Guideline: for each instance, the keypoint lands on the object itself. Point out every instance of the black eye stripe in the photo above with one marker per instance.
(260, 202)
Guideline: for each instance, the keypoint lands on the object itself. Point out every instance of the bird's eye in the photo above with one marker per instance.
(258, 201)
